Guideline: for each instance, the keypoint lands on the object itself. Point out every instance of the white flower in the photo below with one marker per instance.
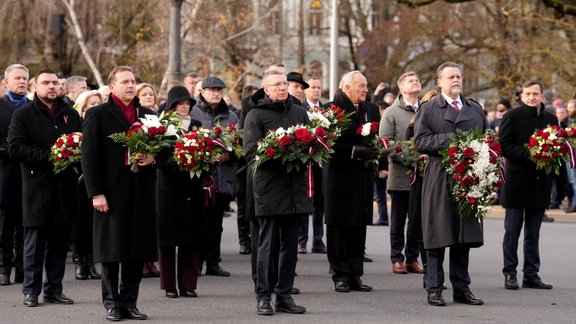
(150, 121)
(366, 129)
(171, 131)
(552, 137)
(280, 131)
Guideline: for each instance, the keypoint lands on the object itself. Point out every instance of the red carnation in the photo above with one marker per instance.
(303, 135)
(532, 142)
(472, 201)
(468, 152)
(561, 132)
(59, 143)
(461, 167)
(545, 135)
(452, 151)
(374, 127)
(320, 132)
(545, 147)
(217, 130)
(398, 149)
(270, 152)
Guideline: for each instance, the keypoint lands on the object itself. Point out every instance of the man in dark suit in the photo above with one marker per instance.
(124, 216)
(313, 94)
(48, 199)
(349, 187)
(11, 239)
(526, 193)
(442, 225)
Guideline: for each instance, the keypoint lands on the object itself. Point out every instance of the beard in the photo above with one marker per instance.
(455, 91)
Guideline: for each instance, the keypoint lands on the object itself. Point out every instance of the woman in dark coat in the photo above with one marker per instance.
(180, 211)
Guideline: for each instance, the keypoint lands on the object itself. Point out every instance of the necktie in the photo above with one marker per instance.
(316, 107)
(455, 105)
(356, 107)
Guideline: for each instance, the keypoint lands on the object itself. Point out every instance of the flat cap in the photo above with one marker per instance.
(213, 82)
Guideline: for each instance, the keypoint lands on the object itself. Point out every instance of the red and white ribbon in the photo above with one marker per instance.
(310, 177)
(571, 154)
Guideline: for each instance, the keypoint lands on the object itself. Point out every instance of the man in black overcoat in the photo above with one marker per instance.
(442, 225)
(49, 200)
(349, 187)
(526, 192)
(124, 205)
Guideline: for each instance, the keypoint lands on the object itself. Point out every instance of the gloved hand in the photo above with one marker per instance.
(365, 152)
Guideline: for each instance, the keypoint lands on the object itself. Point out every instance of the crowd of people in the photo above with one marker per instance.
(127, 220)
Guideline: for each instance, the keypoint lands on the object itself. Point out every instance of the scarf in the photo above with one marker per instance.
(16, 99)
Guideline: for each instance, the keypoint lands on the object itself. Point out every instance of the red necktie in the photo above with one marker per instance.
(455, 105)
(316, 107)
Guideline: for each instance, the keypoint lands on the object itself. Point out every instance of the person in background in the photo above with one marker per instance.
(81, 234)
(393, 125)
(11, 232)
(313, 95)
(501, 108)
(147, 96)
(380, 186)
(211, 110)
(73, 87)
(190, 81)
(296, 86)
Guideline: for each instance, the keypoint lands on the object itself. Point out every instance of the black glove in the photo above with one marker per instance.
(365, 152)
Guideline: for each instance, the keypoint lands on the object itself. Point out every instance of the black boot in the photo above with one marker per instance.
(92, 271)
(80, 272)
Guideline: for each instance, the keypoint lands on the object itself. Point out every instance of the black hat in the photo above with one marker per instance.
(506, 103)
(213, 82)
(177, 94)
(297, 77)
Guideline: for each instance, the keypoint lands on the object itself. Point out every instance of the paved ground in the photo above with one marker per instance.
(396, 298)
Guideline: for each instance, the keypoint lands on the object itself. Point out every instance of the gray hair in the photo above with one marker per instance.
(71, 81)
(13, 67)
(347, 78)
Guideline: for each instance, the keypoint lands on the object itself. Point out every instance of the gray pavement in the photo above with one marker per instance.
(396, 298)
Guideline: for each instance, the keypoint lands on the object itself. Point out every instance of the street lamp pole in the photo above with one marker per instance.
(334, 49)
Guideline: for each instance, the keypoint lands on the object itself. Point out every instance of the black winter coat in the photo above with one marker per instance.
(47, 198)
(348, 183)
(128, 231)
(525, 187)
(276, 192)
(179, 200)
(10, 176)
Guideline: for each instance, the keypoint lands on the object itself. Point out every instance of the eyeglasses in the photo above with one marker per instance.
(277, 84)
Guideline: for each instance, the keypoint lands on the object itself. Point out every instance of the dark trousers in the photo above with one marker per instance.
(121, 283)
(278, 241)
(415, 218)
(346, 251)
(214, 217)
(186, 271)
(513, 221)
(241, 222)
(11, 240)
(459, 276)
(400, 203)
(46, 248)
(381, 199)
(317, 225)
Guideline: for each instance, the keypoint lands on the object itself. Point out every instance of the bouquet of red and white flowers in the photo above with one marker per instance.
(148, 135)
(229, 137)
(66, 151)
(369, 133)
(196, 151)
(331, 118)
(548, 147)
(295, 146)
(474, 165)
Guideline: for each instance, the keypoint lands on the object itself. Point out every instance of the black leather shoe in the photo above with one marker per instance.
(467, 297)
(288, 306)
(358, 285)
(295, 291)
(30, 301)
(245, 249)
(188, 293)
(535, 282)
(510, 282)
(367, 259)
(113, 315)
(134, 313)
(57, 298)
(435, 299)
(4, 279)
(341, 286)
(171, 294)
(264, 307)
(217, 271)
